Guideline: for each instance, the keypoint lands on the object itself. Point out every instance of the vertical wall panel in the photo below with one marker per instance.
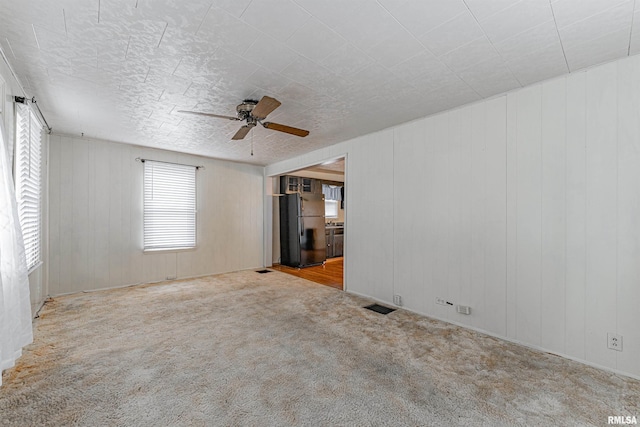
(125, 213)
(553, 215)
(495, 235)
(477, 211)
(575, 266)
(55, 166)
(116, 245)
(628, 289)
(430, 186)
(410, 229)
(511, 214)
(453, 212)
(100, 234)
(459, 208)
(227, 201)
(601, 221)
(189, 262)
(440, 218)
(91, 214)
(134, 240)
(370, 210)
(67, 282)
(258, 219)
(81, 267)
(528, 229)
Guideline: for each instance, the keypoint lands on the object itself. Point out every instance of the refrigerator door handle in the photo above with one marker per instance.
(301, 226)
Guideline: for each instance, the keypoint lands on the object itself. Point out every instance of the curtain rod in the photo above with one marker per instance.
(33, 99)
(139, 159)
(23, 100)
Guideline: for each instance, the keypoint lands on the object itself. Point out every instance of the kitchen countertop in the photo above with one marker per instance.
(333, 227)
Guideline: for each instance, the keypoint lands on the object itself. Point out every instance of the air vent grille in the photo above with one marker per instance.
(380, 308)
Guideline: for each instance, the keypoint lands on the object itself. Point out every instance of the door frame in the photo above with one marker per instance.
(271, 185)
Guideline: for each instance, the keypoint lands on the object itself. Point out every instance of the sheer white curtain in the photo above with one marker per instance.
(15, 306)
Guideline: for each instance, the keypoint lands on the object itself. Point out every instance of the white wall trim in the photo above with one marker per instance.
(157, 282)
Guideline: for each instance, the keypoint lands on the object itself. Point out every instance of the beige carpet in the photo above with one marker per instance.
(271, 349)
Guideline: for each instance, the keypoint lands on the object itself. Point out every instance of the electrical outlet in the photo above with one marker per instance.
(463, 309)
(171, 277)
(397, 300)
(614, 341)
(441, 301)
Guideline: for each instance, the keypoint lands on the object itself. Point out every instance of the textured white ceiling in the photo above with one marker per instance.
(119, 69)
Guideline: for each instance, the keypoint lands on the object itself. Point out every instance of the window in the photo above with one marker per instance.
(28, 173)
(169, 206)
(332, 195)
(331, 209)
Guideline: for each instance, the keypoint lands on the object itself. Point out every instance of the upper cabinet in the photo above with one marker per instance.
(296, 184)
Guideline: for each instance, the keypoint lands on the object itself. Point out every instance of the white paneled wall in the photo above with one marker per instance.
(525, 207)
(627, 297)
(601, 206)
(371, 272)
(553, 214)
(96, 217)
(575, 202)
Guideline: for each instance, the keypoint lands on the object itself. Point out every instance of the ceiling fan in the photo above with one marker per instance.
(254, 112)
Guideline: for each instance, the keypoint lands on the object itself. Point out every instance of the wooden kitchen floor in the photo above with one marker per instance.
(329, 274)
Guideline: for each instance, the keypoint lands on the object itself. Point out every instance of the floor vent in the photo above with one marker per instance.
(380, 308)
(263, 271)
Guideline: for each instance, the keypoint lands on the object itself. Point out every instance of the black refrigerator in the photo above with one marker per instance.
(302, 239)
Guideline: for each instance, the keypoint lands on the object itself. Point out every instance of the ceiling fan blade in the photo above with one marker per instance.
(264, 107)
(242, 132)
(208, 115)
(286, 129)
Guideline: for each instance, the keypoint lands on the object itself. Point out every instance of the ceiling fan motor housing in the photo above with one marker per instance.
(244, 110)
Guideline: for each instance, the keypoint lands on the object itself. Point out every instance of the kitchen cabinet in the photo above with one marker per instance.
(307, 185)
(334, 236)
(292, 184)
(338, 244)
(295, 184)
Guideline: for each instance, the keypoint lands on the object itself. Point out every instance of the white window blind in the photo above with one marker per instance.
(169, 206)
(331, 209)
(28, 173)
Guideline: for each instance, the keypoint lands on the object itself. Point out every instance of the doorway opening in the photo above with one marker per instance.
(309, 213)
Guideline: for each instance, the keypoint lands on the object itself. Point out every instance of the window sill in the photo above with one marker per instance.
(168, 250)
